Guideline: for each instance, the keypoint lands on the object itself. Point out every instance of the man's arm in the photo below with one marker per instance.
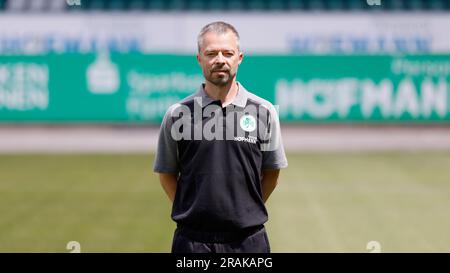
(169, 184)
(269, 182)
(274, 157)
(166, 158)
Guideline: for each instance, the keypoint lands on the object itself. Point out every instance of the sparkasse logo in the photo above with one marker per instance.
(373, 2)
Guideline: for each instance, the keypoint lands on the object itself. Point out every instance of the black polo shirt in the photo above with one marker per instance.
(219, 154)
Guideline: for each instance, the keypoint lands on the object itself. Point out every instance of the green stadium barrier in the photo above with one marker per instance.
(134, 88)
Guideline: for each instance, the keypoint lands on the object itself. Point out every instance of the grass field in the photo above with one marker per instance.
(325, 203)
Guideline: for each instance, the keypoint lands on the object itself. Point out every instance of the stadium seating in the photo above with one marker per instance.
(220, 5)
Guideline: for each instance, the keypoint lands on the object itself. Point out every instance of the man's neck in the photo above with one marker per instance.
(225, 93)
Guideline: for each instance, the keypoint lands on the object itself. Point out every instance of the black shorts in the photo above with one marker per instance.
(251, 240)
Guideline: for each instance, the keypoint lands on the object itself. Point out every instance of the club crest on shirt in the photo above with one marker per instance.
(248, 123)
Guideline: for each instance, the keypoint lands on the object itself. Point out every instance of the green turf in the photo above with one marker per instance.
(333, 202)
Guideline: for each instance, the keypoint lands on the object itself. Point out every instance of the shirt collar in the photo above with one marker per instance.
(239, 100)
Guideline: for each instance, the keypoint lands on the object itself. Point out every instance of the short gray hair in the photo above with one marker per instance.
(218, 27)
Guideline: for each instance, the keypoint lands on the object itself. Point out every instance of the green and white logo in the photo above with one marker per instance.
(103, 75)
(248, 123)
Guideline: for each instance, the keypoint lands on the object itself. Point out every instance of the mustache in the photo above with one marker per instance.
(216, 69)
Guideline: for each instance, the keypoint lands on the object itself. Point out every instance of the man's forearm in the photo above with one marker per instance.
(169, 184)
(269, 182)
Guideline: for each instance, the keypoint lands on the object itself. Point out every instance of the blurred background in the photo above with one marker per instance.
(363, 93)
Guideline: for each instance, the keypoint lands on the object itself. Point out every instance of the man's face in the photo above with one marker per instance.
(219, 57)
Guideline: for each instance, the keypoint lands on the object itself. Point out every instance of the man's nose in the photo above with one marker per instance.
(220, 58)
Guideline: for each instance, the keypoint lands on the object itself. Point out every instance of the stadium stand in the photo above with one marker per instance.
(220, 5)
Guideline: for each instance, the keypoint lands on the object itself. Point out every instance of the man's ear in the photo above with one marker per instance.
(198, 58)
(241, 57)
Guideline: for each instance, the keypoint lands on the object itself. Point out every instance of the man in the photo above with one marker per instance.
(219, 154)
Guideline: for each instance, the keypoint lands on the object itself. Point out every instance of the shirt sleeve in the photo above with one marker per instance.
(166, 159)
(274, 156)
